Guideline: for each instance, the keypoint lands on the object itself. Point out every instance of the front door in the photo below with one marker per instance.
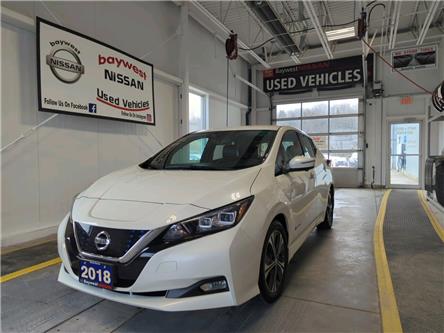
(297, 186)
(405, 155)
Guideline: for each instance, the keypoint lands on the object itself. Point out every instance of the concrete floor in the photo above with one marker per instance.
(331, 287)
(401, 178)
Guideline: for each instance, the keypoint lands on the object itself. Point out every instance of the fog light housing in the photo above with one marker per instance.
(213, 286)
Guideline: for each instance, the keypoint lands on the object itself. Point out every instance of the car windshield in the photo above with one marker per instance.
(220, 150)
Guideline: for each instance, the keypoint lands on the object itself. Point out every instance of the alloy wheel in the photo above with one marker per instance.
(274, 261)
(329, 213)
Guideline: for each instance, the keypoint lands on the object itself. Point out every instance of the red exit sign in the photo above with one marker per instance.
(406, 100)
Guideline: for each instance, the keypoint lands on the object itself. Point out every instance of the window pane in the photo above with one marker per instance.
(344, 160)
(346, 124)
(293, 123)
(196, 116)
(404, 170)
(405, 138)
(321, 142)
(312, 109)
(344, 106)
(315, 125)
(343, 142)
(309, 149)
(288, 110)
(291, 145)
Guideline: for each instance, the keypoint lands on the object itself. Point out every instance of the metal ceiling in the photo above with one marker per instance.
(299, 27)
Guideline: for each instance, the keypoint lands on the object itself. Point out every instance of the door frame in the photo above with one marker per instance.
(404, 120)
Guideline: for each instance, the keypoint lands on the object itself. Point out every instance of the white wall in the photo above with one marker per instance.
(218, 115)
(380, 112)
(42, 173)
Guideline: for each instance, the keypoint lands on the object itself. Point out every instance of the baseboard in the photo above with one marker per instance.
(28, 236)
(375, 186)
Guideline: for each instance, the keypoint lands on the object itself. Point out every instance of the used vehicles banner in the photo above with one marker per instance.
(80, 75)
(337, 73)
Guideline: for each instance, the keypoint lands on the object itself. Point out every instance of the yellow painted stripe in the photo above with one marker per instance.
(30, 269)
(432, 218)
(387, 299)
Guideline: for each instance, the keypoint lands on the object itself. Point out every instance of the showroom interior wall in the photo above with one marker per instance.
(42, 173)
(379, 111)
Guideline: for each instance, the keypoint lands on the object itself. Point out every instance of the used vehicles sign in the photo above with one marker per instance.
(80, 75)
(331, 74)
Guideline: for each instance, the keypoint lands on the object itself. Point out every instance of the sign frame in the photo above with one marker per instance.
(409, 67)
(40, 20)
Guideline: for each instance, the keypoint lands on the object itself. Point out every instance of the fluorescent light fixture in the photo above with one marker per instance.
(340, 33)
(295, 58)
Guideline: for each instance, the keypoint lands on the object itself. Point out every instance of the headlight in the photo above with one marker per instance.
(216, 220)
(72, 206)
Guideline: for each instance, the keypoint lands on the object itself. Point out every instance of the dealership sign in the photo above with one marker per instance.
(335, 74)
(80, 75)
(415, 58)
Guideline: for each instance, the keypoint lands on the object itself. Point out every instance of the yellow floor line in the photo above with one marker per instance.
(30, 269)
(432, 218)
(387, 299)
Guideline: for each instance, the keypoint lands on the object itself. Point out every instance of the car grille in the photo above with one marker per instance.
(126, 274)
(121, 240)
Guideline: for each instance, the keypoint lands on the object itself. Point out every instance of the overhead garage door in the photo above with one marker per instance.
(336, 126)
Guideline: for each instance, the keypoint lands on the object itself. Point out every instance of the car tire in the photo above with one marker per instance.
(274, 261)
(328, 219)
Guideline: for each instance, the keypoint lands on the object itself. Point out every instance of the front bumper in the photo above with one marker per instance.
(151, 302)
(179, 267)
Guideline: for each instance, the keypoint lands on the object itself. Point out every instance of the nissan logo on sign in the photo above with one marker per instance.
(65, 64)
(102, 241)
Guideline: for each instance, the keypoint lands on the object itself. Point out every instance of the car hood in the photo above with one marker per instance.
(133, 194)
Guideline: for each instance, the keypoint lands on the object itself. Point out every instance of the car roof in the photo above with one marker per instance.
(253, 128)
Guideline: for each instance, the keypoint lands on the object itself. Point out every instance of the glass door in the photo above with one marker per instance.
(405, 154)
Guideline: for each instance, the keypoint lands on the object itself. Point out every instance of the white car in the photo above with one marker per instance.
(175, 233)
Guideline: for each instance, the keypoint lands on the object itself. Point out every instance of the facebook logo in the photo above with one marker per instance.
(92, 108)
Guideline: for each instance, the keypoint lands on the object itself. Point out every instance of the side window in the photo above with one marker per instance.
(308, 146)
(290, 147)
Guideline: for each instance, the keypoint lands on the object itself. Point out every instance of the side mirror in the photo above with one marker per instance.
(301, 163)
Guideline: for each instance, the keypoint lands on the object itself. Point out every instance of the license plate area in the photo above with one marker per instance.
(96, 274)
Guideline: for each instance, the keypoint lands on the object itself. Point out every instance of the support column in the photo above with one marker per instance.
(254, 97)
(184, 69)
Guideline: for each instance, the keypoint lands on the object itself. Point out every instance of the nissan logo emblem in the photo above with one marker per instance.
(102, 241)
(65, 64)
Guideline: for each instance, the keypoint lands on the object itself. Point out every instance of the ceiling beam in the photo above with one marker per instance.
(197, 9)
(265, 27)
(414, 19)
(354, 47)
(394, 24)
(320, 32)
(425, 27)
